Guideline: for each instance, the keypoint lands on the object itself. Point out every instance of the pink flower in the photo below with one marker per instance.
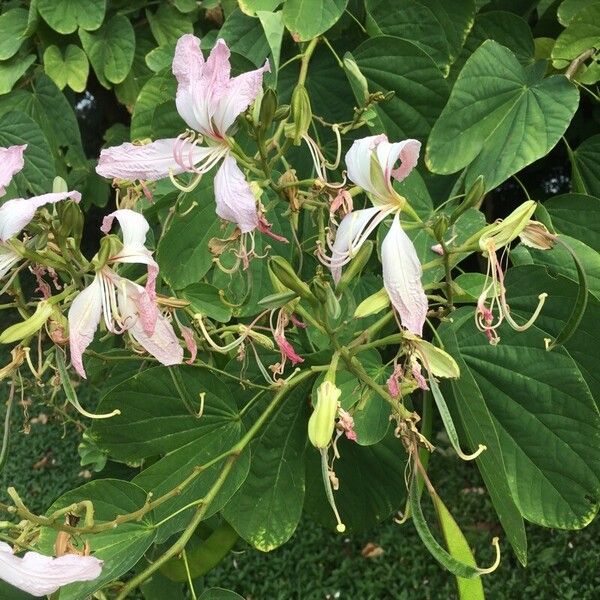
(123, 304)
(209, 100)
(42, 575)
(370, 163)
(11, 162)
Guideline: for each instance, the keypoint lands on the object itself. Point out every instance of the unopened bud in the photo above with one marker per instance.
(358, 263)
(283, 112)
(472, 199)
(29, 327)
(109, 246)
(372, 305)
(71, 220)
(332, 304)
(268, 108)
(59, 185)
(536, 235)
(285, 274)
(498, 235)
(278, 300)
(440, 226)
(322, 421)
(301, 113)
(357, 79)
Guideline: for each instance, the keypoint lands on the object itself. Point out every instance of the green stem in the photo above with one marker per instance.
(306, 60)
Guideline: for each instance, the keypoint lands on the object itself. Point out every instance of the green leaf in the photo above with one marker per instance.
(569, 8)
(585, 161)
(37, 174)
(205, 299)
(307, 19)
(12, 70)
(159, 409)
(65, 16)
(168, 24)
(110, 49)
(266, 510)
(272, 24)
(253, 7)
(583, 33)
(119, 547)
(495, 103)
(245, 37)
(72, 70)
(219, 594)
(183, 249)
(161, 58)
(547, 422)
(13, 24)
(578, 216)
(419, 86)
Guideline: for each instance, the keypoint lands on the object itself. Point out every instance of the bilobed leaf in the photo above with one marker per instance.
(496, 104)
(583, 33)
(253, 7)
(161, 58)
(306, 19)
(246, 37)
(39, 171)
(584, 161)
(168, 24)
(13, 24)
(578, 216)
(392, 64)
(569, 8)
(205, 299)
(72, 70)
(110, 49)
(119, 547)
(266, 510)
(65, 16)
(12, 70)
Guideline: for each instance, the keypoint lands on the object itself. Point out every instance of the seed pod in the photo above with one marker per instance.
(322, 421)
(357, 264)
(285, 274)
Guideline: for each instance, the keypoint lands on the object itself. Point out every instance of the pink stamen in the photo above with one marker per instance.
(287, 350)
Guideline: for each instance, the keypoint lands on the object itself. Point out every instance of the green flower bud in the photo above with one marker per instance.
(285, 274)
(283, 112)
(301, 113)
(472, 199)
(357, 264)
(322, 421)
(71, 220)
(332, 304)
(440, 226)
(30, 326)
(59, 185)
(268, 108)
(372, 305)
(109, 246)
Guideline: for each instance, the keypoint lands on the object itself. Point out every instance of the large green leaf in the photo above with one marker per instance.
(246, 37)
(584, 161)
(307, 19)
(65, 16)
(12, 70)
(37, 174)
(120, 547)
(266, 510)
(71, 70)
(392, 64)
(168, 24)
(582, 33)
(183, 251)
(578, 216)
(13, 24)
(110, 49)
(546, 419)
(569, 8)
(159, 412)
(205, 299)
(500, 117)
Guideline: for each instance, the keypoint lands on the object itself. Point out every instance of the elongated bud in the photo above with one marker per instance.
(285, 274)
(301, 113)
(357, 79)
(30, 326)
(59, 185)
(71, 220)
(108, 247)
(322, 421)
(440, 226)
(357, 264)
(372, 305)
(332, 304)
(277, 300)
(472, 199)
(283, 112)
(268, 108)
(319, 290)
(498, 235)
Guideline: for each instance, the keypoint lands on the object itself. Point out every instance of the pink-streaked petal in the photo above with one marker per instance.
(188, 64)
(234, 198)
(11, 162)
(407, 152)
(190, 342)
(162, 343)
(42, 575)
(349, 236)
(149, 162)
(358, 161)
(402, 278)
(8, 258)
(236, 96)
(16, 214)
(84, 317)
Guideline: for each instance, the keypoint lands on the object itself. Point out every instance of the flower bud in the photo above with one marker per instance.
(358, 263)
(472, 198)
(301, 113)
(283, 112)
(332, 304)
(322, 421)
(30, 326)
(285, 274)
(108, 247)
(59, 185)
(268, 108)
(440, 226)
(71, 220)
(498, 235)
(372, 305)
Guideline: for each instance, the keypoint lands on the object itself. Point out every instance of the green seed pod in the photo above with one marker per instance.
(301, 113)
(357, 264)
(322, 421)
(285, 274)
(268, 108)
(30, 326)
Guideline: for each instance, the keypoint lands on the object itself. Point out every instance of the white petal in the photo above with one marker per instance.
(188, 64)
(407, 152)
(349, 236)
(16, 214)
(11, 162)
(84, 317)
(162, 343)
(358, 162)
(235, 200)
(8, 258)
(42, 575)
(402, 278)
(150, 161)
